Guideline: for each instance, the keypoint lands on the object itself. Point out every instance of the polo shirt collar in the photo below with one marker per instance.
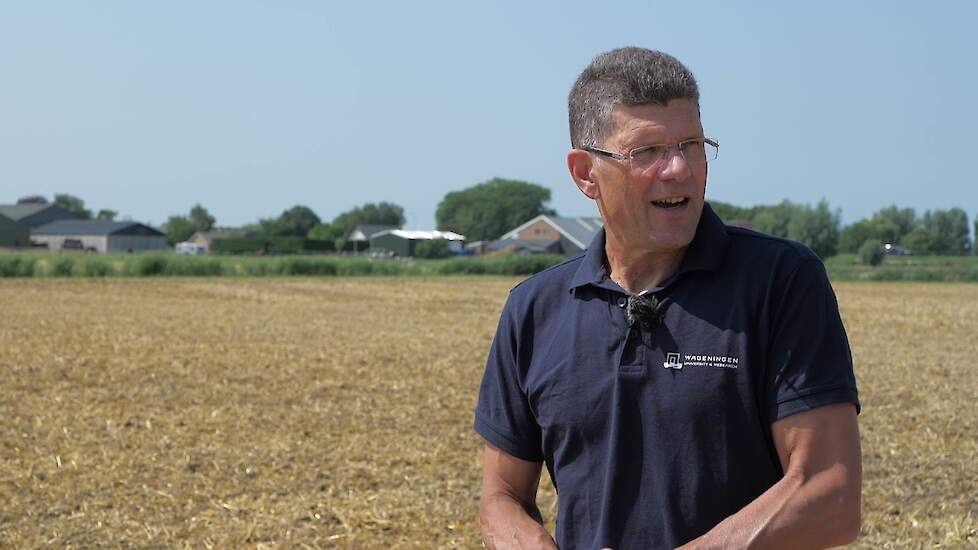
(709, 245)
(705, 252)
(591, 271)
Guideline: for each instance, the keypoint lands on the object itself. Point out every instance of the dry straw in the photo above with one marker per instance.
(337, 413)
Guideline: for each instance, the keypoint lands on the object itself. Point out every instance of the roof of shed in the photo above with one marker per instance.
(18, 212)
(88, 227)
(366, 230)
(416, 235)
(579, 231)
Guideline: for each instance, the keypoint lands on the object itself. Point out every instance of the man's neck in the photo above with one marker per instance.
(636, 270)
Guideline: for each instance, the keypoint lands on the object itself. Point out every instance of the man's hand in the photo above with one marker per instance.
(508, 513)
(817, 502)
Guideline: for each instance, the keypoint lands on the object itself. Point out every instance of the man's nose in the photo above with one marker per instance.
(674, 166)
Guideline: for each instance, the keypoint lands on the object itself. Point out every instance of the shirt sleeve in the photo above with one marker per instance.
(810, 361)
(503, 415)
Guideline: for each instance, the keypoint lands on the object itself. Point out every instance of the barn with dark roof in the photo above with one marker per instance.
(13, 234)
(99, 236)
(35, 215)
(553, 234)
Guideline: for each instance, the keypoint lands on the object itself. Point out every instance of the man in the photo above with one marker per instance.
(685, 382)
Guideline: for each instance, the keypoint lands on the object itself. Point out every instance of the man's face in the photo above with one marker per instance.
(656, 209)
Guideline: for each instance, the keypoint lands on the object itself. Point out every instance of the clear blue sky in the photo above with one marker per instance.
(252, 107)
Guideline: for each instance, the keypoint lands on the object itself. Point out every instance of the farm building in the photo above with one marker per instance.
(207, 238)
(551, 234)
(35, 215)
(100, 236)
(358, 238)
(477, 247)
(402, 242)
(13, 234)
(526, 246)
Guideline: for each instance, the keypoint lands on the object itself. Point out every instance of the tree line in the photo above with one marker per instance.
(489, 209)
(936, 232)
(297, 221)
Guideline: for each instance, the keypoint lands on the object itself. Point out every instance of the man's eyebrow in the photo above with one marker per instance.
(638, 143)
(642, 139)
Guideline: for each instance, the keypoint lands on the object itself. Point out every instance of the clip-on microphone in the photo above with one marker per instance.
(645, 309)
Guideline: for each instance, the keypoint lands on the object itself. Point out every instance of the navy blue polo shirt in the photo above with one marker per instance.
(654, 435)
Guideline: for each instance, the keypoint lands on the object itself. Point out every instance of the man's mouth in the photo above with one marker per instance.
(670, 203)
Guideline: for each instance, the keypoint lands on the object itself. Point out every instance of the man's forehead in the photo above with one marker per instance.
(679, 116)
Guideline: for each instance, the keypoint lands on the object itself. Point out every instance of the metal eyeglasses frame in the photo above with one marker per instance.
(666, 147)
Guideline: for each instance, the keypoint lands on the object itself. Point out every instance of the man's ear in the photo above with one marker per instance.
(581, 166)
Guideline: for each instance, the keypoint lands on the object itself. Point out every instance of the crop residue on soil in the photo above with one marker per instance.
(338, 413)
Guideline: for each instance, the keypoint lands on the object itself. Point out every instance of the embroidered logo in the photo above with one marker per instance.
(678, 361)
(672, 361)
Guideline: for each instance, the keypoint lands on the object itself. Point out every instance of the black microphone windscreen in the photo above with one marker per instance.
(644, 309)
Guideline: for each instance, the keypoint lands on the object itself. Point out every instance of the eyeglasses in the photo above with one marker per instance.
(697, 151)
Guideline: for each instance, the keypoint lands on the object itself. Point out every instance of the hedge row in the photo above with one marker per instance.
(959, 273)
(171, 265)
(274, 245)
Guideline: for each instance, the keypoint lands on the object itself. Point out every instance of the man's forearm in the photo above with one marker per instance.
(508, 524)
(818, 512)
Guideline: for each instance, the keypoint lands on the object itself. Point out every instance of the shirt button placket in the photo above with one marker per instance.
(633, 356)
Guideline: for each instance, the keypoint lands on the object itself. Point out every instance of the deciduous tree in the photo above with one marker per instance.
(894, 222)
(487, 210)
(181, 228)
(730, 213)
(774, 219)
(852, 236)
(381, 213)
(870, 252)
(294, 222)
(950, 231)
(178, 229)
(201, 218)
(920, 241)
(326, 232)
(817, 228)
(72, 204)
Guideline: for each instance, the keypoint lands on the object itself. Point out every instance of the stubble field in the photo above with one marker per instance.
(337, 413)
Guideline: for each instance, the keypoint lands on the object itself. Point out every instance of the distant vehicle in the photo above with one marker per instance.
(891, 249)
(190, 249)
(381, 253)
(72, 244)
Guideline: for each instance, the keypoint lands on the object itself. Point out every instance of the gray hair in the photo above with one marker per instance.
(625, 76)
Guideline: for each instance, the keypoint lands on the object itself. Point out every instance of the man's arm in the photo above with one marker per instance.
(817, 502)
(508, 512)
